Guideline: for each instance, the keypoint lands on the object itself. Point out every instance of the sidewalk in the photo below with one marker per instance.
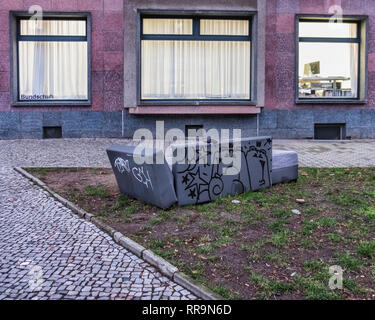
(331, 154)
(47, 252)
(91, 152)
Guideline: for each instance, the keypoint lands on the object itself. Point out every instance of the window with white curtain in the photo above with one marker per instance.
(328, 59)
(52, 59)
(195, 58)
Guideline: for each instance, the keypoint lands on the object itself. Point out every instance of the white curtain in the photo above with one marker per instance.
(53, 27)
(354, 63)
(167, 26)
(53, 70)
(182, 69)
(224, 27)
(195, 69)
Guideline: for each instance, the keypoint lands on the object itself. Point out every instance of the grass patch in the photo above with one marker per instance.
(367, 249)
(97, 191)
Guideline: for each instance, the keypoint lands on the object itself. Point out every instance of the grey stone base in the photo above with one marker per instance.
(281, 124)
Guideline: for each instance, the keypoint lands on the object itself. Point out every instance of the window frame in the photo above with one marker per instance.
(15, 37)
(251, 16)
(361, 40)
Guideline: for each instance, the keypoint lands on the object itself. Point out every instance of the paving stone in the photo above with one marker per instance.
(65, 257)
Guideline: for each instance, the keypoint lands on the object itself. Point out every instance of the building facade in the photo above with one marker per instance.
(105, 68)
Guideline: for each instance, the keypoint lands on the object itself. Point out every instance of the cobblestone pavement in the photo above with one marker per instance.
(331, 154)
(46, 252)
(91, 152)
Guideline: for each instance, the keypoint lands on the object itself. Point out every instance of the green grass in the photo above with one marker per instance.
(280, 239)
(277, 257)
(309, 226)
(224, 292)
(316, 290)
(369, 213)
(348, 261)
(352, 286)
(161, 216)
(268, 288)
(327, 222)
(334, 237)
(97, 191)
(122, 202)
(367, 249)
(346, 199)
(315, 266)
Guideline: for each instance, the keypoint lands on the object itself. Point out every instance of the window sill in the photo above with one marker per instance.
(330, 101)
(195, 110)
(52, 104)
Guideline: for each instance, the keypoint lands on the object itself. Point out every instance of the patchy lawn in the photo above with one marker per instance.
(257, 249)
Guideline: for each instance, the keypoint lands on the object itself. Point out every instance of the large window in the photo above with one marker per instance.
(52, 60)
(195, 58)
(329, 59)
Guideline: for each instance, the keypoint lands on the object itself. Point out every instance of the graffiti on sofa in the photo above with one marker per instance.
(206, 182)
(139, 173)
(122, 165)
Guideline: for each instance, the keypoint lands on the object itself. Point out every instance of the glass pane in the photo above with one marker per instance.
(327, 30)
(225, 27)
(167, 26)
(53, 28)
(195, 69)
(53, 70)
(328, 70)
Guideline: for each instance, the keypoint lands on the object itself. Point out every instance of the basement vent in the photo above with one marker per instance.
(52, 133)
(330, 131)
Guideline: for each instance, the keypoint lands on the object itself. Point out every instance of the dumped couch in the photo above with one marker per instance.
(254, 166)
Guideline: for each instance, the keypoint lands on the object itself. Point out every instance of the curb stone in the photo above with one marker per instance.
(89, 216)
(156, 261)
(129, 244)
(153, 259)
(102, 226)
(185, 281)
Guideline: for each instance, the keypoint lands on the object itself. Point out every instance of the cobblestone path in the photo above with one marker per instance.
(46, 252)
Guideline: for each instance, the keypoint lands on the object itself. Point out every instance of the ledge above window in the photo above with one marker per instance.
(196, 110)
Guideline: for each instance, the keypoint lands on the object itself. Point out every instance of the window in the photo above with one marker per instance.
(190, 58)
(51, 59)
(329, 60)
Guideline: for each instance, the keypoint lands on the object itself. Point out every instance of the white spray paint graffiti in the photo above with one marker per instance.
(140, 175)
(122, 165)
(138, 172)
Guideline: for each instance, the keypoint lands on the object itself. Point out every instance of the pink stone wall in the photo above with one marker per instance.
(107, 50)
(280, 49)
